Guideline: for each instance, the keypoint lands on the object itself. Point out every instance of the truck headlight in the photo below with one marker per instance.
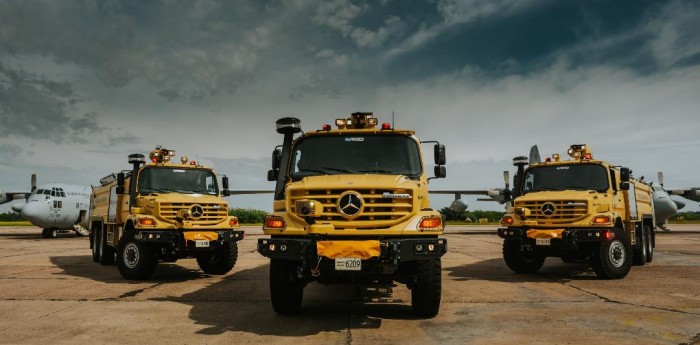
(308, 208)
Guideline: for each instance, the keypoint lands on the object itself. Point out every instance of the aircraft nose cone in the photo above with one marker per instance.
(17, 207)
(35, 211)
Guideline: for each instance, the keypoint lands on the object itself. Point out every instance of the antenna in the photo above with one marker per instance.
(392, 120)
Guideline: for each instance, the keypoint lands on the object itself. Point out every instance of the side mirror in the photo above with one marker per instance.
(272, 174)
(224, 184)
(625, 186)
(440, 171)
(120, 183)
(276, 159)
(439, 153)
(625, 174)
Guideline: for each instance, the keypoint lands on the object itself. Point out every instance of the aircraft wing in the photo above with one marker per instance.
(10, 196)
(690, 194)
(495, 194)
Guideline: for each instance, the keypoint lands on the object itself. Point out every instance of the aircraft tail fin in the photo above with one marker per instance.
(535, 155)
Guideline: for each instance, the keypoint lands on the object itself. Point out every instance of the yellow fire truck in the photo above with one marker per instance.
(162, 210)
(351, 206)
(578, 209)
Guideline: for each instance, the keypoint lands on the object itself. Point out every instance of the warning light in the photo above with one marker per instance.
(430, 223)
(147, 222)
(588, 156)
(507, 220)
(386, 125)
(193, 163)
(326, 127)
(274, 222)
(233, 221)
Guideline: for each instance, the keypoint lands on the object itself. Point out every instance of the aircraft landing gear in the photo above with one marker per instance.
(49, 233)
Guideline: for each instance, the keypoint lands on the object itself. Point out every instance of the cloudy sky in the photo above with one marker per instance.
(85, 83)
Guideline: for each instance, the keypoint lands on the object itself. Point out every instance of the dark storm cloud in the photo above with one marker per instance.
(33, 106)
(191, 50)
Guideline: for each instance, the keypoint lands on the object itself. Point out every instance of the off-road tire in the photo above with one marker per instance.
(640, 254)
(95, 244)
(106, 252)
(612, 259)
(220, 261)
(427, 289)
(45, 233)
(520, 261)
(650, 242)
(136, 261)
(286, 289)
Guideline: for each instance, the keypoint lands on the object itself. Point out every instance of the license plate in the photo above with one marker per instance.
(543, 241)
(201, 243)
(348, 264)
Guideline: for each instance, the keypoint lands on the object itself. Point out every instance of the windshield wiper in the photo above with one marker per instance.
(378, 171)
(153, 190)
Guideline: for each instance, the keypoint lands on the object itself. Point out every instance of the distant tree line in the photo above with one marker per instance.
(248, 215)
(472, 216)
(10, 217)
(683, 216)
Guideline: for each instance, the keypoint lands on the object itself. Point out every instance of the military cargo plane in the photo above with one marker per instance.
(54, 207)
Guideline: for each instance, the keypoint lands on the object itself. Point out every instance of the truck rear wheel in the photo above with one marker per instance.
(220, 261)
(650, 242)
(611, 260)
(286, 289)
(427, 290)
(135, 259)
(94, 244)
(106, 252)
(520, 260)
(640, 254)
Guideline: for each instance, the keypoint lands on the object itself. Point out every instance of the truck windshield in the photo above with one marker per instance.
(174, 180)
(566, 177)
(356, 154)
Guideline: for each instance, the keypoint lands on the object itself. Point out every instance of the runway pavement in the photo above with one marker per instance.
(52, 293)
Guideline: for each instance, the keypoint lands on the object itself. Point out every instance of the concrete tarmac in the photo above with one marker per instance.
(52, 293)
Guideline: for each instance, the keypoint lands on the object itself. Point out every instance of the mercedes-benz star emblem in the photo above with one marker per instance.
(350, 204)
(548, 209)
(196, 211)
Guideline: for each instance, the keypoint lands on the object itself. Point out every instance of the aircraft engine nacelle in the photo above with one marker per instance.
(458, 206)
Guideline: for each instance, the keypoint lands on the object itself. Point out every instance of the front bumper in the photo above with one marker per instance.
(568, 238)
(176, 239)
(391, 250)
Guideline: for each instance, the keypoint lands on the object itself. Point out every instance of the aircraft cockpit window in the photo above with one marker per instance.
(47, 192)
(39, 192)
(53, 192)
(60, 192)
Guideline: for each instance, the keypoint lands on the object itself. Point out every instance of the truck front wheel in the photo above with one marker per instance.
(611, 260)
(220, 261)
(135, 259)
(427, 290)
(520, 260)
(286, 289)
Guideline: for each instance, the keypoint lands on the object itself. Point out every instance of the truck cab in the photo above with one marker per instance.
(578, 209)
(351, 206)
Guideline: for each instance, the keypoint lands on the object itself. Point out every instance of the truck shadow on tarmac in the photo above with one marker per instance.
(554, 270)
(82, 266)
(241, 303)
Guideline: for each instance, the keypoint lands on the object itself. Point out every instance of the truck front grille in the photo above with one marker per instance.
(213, 213)
(378, 212)
(565, 211)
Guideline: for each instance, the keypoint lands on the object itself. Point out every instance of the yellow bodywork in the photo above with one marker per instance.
(348, 249)
(397, 217)
(582, 207)
(166, 209)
